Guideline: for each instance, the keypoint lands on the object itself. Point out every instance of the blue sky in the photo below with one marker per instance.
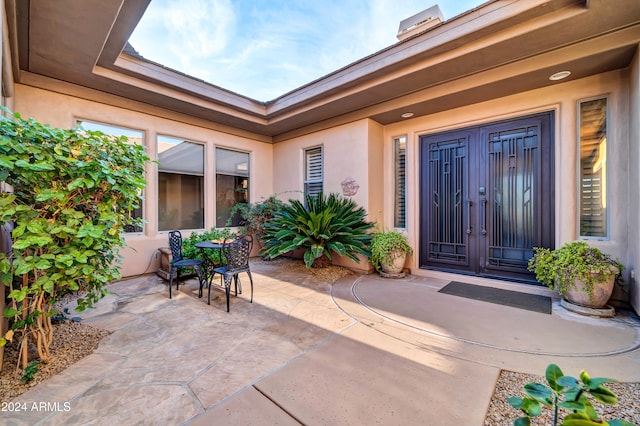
(265, 48)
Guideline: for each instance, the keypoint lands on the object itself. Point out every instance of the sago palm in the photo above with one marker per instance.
(326, 225)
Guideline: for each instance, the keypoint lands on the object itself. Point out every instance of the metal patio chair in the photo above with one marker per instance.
(235, 252)
(178, 262)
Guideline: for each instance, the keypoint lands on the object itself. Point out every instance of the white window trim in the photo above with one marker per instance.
(607, 237)
(306, 180)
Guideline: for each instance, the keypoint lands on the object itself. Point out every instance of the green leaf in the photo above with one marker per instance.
(595, 383)
(552, 374)
(43, 264)
(604, 395)
(620, 423)
(581, 422)
(515, 401)
(566, 381)
(36, 167)
(538, 391)
(522, 421)
(10, 312)
(571, 405)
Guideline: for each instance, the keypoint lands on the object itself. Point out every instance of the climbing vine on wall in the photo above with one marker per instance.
(73, 191)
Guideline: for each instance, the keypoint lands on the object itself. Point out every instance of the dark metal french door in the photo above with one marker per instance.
(487, 197)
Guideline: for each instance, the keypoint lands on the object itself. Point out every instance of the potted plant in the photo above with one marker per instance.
(389, 250)
(582, 274)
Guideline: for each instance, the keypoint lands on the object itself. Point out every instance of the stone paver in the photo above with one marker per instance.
(362, 351)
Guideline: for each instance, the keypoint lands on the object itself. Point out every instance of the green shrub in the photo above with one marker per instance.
(327, 224)
(73, 194)
(255, 215)
(189, 249)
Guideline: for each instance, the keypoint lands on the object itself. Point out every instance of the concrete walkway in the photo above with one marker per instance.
(363, 351)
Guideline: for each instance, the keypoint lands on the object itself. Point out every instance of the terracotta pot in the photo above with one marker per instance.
(601, 293)
(398, 263)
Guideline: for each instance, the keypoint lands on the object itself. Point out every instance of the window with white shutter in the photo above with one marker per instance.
(313, 171)
(593, 168)
(400, 183)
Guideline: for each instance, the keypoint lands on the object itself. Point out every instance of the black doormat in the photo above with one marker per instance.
(515, 299)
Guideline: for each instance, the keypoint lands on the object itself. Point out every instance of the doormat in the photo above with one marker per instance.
(515, 299)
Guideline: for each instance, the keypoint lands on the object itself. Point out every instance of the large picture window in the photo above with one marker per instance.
(593, 168)
(135, 137)
(400, 182)
(180, 184)
(232, 184)
(313, 174)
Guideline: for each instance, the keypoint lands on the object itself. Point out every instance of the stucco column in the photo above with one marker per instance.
(566, 173)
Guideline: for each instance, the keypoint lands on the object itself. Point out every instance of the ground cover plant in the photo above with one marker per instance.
(73, 192)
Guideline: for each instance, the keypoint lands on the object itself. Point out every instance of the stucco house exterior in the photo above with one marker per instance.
(513, 125)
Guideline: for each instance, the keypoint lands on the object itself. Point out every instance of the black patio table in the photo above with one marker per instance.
(209, 264)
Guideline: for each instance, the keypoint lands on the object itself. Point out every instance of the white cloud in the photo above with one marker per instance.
(265, 48)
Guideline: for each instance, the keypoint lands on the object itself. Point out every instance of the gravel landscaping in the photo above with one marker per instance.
(72, 341)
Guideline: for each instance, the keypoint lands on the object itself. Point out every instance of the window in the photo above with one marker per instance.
(400, 183)
(180, 184)
(135, 137)
(232, 184)
(313, 175)
(593, 168)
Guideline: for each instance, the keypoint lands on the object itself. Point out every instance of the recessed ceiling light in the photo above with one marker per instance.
(560, 75)
(407, 115)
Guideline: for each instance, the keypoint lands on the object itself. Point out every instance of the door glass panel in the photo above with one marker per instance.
(511, 214)
(447, 189)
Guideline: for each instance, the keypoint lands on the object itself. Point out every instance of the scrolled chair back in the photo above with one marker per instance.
(175, 243)
(236, 251)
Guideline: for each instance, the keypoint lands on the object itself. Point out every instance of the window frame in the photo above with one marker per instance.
(203, 175)
(607, 226)
(395, 142)
(215, 177)
(307, 152)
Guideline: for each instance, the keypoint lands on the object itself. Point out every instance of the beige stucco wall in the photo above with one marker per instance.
(141, 255)
(561, 98)
(634, 181)
(352, 150)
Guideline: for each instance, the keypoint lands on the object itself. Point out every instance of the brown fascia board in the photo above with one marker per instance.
(453, 34)
(363, 74)
(139, 68)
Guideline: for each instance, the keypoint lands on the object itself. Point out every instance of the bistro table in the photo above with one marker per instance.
(209, 250)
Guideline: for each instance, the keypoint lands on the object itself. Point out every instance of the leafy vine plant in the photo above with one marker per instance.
(73, 192)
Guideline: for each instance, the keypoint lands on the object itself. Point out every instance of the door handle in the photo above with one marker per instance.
(469, 204)
(483, 212)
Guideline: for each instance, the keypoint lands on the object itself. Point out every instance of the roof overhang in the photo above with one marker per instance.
(500, 48)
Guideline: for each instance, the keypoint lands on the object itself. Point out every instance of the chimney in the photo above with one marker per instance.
(420, 22)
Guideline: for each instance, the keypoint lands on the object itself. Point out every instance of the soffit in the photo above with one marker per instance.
(81, 43)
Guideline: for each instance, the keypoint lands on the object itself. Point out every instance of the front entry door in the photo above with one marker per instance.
(487, 197)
